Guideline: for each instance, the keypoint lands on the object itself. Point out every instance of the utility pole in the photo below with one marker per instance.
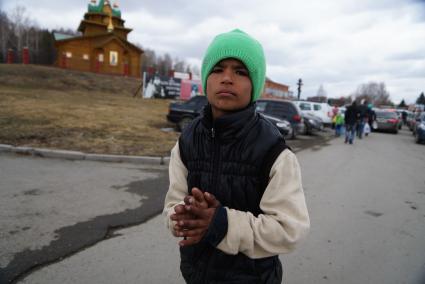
(300, 83)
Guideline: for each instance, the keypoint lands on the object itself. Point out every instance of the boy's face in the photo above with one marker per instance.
(229, 87)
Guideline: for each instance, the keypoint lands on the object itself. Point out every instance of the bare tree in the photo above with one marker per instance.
(195, 70)
(20, 22)
(179, 65)
(373, 92)
(6, 35)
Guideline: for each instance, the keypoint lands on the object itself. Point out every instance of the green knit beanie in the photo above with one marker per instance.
(239, 45)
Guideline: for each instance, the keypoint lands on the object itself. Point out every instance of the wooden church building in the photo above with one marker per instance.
(103, 45)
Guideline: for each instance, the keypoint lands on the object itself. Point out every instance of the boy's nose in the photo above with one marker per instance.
(227, 76)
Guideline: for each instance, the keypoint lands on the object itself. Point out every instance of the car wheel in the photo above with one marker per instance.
(184, 122)
(307, 130)
(294, 134)
(396, 131)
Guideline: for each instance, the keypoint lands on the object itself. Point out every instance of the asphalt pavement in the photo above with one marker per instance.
(366, 203)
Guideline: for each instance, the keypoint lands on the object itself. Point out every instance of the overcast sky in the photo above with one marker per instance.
(339, 44)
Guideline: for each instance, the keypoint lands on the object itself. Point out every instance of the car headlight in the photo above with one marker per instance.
(311, 121)
(422, 126)
(282, 124)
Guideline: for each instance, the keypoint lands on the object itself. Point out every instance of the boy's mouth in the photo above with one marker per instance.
(226, 93)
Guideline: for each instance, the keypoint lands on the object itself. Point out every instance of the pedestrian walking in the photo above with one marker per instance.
(235, 195)
(339, 124)
(361, 117)
(371, 116)
(351, 118)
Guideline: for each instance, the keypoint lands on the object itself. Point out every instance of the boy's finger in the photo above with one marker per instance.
(191, 224)
(198, 195)
(179, 209)
(184, 216)
(198, 212)
(188, 200)
(211, 200)
(189, 241)
(191, 233)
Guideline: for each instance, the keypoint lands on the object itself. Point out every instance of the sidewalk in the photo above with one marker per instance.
(75, 155)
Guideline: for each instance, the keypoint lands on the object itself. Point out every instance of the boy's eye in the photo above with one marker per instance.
(242, 72)
(217, 70)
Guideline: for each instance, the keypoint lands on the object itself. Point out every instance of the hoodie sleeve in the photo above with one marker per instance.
(284, 220)
(177, 190)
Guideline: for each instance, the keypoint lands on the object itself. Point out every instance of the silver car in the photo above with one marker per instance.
(387, 121)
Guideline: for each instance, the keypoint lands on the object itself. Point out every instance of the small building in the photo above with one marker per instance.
(275, 90)
(103, 46)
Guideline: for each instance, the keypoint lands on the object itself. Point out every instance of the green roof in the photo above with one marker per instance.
(99, 9)
(60, 36)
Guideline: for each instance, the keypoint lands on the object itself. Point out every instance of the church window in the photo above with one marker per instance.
(113, 58)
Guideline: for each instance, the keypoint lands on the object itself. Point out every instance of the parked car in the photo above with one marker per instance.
(312, 123)
(322, 110)
(409, 120)
(283, 109)
(387, 121)
(420, 129)
(414, 122)
(400, 116)
(182, 113)
(283, 125)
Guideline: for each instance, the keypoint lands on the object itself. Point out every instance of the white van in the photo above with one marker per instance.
(322, 110)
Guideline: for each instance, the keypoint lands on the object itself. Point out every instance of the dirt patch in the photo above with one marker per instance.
(51, 108)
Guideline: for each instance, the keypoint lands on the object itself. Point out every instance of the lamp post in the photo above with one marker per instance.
(300, 83)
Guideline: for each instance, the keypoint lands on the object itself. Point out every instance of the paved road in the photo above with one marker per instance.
(367, 208)
(51, 208)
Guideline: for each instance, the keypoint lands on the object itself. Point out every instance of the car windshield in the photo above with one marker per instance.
(386, 114)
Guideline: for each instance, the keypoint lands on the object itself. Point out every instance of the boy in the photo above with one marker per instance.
(235, 195)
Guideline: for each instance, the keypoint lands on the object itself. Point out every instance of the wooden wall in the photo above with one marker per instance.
(85, 57)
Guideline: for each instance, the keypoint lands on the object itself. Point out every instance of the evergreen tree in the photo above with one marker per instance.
(402, 104)
(421, 99)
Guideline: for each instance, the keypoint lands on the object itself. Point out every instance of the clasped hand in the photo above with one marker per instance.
(194, 217)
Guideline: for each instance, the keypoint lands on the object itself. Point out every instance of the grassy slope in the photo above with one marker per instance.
(53, 108)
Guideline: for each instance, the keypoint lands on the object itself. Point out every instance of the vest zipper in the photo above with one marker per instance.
(216, 158)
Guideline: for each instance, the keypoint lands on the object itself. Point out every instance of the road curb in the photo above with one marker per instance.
(78, 156)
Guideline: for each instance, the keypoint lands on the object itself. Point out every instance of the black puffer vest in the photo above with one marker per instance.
(227, 158)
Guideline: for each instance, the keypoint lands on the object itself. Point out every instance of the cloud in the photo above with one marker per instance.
(339, 44)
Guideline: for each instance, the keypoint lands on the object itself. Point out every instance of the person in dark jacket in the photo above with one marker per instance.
(351, 118)
(361, 118)
(235, 198)
(371, 116)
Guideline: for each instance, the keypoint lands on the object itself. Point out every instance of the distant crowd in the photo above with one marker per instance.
(354, 120)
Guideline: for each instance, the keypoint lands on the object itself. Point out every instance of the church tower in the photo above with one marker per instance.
(103, 46)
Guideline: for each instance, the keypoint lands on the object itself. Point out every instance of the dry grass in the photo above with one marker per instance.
(52, 108)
